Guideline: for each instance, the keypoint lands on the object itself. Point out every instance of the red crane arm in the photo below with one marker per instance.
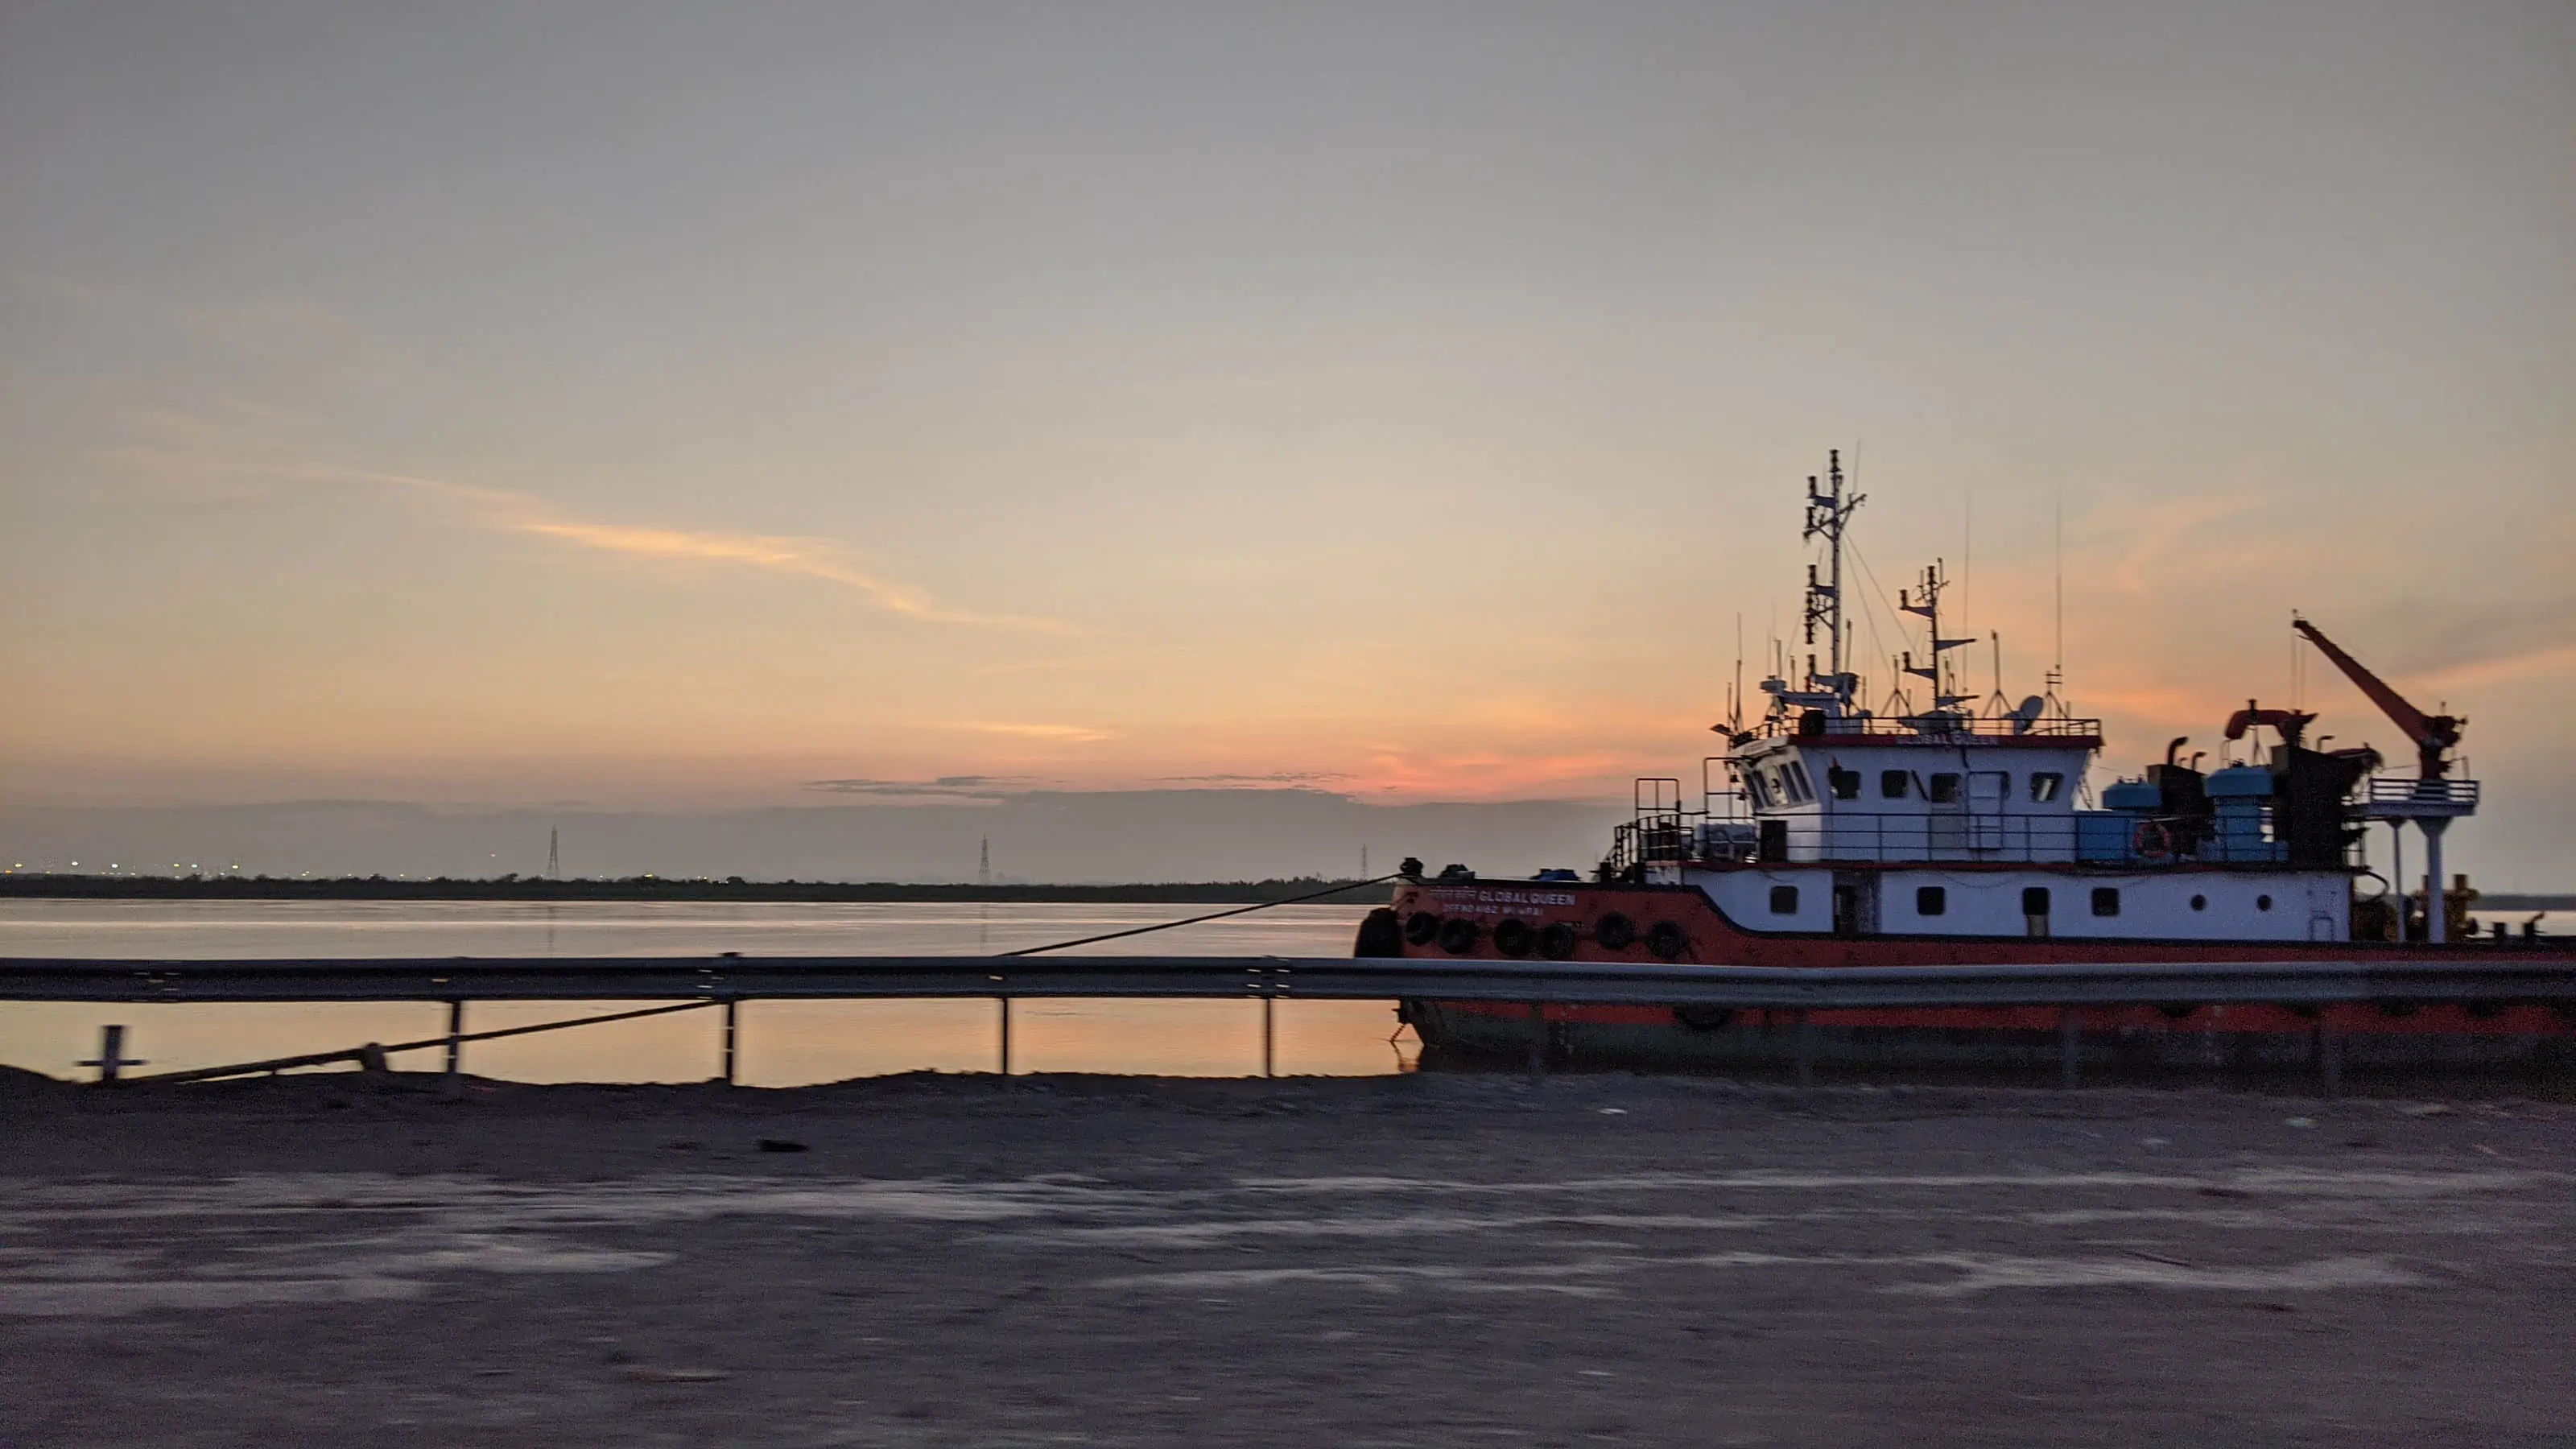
(2432, 734)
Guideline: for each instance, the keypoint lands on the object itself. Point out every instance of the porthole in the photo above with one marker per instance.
(2262, 903)
(2200, 903)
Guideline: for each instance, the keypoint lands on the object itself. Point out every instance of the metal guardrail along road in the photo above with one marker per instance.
(727, 981)
(629, 978)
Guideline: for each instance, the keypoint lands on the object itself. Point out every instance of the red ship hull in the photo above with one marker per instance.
(2180, 1033)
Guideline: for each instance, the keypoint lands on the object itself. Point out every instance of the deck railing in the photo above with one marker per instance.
(2440, 796)
(1927, 728)
(1690, 837)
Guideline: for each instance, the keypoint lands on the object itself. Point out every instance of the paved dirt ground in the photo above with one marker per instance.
(1424, 1260)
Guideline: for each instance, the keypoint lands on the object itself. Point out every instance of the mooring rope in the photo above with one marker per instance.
(1210, 916)
(320, 1059)
(316, 1059)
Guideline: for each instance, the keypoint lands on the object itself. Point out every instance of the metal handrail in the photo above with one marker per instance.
(2386, 789)
(1859, 834)
(1932, 728)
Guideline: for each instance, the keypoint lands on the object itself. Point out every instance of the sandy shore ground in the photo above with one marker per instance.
(1424, 1260)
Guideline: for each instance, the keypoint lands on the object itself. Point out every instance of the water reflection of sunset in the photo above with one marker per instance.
(780, 1043)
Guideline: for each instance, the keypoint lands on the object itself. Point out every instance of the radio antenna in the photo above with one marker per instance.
(1735, 692)
(2057, 566)
(1967, 554)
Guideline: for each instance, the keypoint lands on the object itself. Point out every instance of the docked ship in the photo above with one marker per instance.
(1940, 830)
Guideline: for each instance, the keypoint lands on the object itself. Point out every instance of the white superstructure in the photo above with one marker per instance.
(1967, 820)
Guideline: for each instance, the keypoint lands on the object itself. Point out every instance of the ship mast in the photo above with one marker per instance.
(1925, 600)
(1829, 512)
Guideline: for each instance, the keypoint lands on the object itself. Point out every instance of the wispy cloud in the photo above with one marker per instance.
(947, 787)
(2445, 639)
(2153, 556)
(1274, 777)
(811, 558)
(2542, 661)
(1072, 734)
(816, 558)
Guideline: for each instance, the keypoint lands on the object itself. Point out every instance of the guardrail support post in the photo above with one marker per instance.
(730, 1023)
(1269, 1037)
(1537, 1039)
(111, 1055)
(2329, 1058)
(455, 1029)
(1005, 1003)
(1806, 1050)
(2070, 1048)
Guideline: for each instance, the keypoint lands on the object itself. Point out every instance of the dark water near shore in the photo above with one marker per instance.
(782, 1043)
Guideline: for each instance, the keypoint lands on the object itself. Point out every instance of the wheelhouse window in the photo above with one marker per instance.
(1844, 783)
(1943, 789)
(1784, 900)
(2045, 785)
(1892, 783)
(1758, 789)
(1801, 789)
(1931, 900)
(2106, 900)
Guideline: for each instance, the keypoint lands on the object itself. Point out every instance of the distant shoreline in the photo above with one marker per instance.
(37, 886)
(2507, 901)
(41, 886)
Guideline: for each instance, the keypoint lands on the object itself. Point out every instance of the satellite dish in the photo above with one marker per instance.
(2027, 713)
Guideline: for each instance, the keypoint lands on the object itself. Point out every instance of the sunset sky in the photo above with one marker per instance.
(693, 407)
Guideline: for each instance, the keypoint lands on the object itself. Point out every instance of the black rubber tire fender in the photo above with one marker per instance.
(1513, 938)
(1458, 936)
(1615, 932)
(1556, 940)
(1667, 940)
(1704, 1018)
(1422, 928)
(1381, 934)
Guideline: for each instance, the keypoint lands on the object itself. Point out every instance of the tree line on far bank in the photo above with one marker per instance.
(229, 887)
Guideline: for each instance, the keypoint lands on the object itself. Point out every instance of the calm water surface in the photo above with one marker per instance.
(782, 1043)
